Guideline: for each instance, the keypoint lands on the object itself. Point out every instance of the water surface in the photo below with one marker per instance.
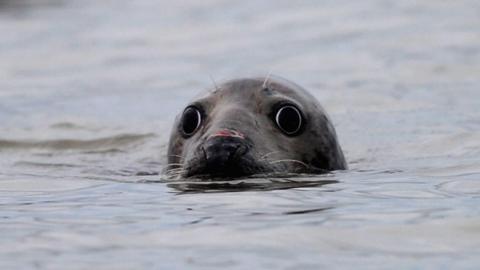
(89, 90)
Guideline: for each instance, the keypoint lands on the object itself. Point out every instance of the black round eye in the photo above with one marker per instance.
(289, 120)
(191, 120)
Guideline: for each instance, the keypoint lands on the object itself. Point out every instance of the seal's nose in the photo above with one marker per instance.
(223, 154)
(224, 151)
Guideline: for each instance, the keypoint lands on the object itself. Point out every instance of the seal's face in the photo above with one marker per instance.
(247, 126)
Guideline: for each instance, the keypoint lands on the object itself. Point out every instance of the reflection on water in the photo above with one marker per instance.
(89, 89)
(265, 183)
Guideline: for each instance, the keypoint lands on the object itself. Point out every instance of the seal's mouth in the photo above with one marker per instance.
(224, 154)
(226, 171)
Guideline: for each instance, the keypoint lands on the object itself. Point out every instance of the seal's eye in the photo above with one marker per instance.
(191, 120)
(289, 120)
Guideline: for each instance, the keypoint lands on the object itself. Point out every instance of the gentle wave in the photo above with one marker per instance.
(116, 141)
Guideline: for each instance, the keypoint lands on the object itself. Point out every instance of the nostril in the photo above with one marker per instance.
(235, 152)
(241, 150)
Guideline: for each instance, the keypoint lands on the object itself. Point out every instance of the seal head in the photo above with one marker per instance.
(252, 126)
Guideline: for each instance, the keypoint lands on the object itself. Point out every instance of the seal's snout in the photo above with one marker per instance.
(225, 154)
(223, 151)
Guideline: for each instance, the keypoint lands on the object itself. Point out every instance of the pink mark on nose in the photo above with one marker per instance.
(228, 133)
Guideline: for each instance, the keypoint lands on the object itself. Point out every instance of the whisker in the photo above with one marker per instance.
(213, 81)
(174, 173)
(268, 154)
(289, 160)
(175, 170)
(180, 158)
(174, 164)
(264, 85)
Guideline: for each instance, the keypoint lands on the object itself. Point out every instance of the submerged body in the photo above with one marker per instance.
(251, 126)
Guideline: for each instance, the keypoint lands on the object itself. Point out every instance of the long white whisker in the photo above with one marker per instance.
(175, 173)
(176, 169)
(213, 81)
(265, 82)
(289, 160)
(268, 154)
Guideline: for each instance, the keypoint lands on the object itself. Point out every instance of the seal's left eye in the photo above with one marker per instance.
(289, 120)
(191, 121)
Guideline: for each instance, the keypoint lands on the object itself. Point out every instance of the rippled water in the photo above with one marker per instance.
(89, 89)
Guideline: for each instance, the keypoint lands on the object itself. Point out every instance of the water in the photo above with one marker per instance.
(89, 89)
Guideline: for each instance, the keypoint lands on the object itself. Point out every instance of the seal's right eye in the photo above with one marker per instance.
(191, 121)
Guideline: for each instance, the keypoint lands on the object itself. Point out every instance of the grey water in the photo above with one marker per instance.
(89, 91)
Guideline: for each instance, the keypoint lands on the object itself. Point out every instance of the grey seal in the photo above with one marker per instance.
(251, 126)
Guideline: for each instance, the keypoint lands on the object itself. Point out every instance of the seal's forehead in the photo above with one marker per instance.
(249, 88)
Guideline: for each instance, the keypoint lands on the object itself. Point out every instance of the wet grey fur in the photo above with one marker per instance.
(246, 105)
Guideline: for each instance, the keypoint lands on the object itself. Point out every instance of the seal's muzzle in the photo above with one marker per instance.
(224, 155)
